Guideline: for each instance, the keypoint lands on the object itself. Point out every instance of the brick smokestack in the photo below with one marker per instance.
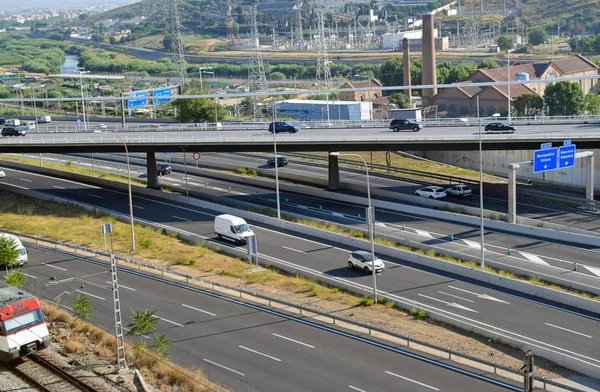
(429, 67)
(406, 66)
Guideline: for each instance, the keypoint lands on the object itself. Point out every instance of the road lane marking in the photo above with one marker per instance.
(223, 367)
(595, 271)
(199, 310)
(294, 250)
(472, 244)
(25, 179)
(533, 258)
(30, 276)
(53, 266)
(453, 304)
(138, 207)
(568, 330)
(57, 187)
(423, 233)
(121, 286)
(292, 340)
(91, 295)
(169, 321)
(96, 196)
(259, 353)
(483, 296)
(356, 389)
(180, 218)
(455, 296)
(408, 379)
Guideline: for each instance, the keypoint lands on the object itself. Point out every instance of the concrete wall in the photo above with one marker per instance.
(496, 162)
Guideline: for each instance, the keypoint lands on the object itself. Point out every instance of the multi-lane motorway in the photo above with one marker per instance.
(568, 335)
(241, 346)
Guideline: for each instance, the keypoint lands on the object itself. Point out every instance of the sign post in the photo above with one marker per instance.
(545, 159)
(252, 246)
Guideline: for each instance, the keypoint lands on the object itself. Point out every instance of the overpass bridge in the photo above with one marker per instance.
(193, 139)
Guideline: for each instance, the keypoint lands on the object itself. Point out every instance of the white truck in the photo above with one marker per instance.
(232, 228)
(13, 122)
(22, 258)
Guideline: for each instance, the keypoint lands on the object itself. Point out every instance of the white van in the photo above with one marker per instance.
(233, 228)
(13, 121)
(31, 125)
(44, 119)
(22, 258)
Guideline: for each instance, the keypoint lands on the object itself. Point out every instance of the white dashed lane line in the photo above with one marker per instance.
(472, 244)
(423, 233)
(198, 310)
(413, 381)
(292, 340)
(259, 353)
(533, 258)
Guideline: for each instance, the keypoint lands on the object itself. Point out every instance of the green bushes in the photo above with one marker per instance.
(366, 301)
(247, 172)
(418, 314)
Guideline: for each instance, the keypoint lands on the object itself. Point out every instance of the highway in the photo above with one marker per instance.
(567, 334)
(232, 341)
(528, 253)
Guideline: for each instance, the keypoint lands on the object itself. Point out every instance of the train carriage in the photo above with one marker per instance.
(22, 326)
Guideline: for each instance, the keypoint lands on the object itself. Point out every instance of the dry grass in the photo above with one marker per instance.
(73, 346)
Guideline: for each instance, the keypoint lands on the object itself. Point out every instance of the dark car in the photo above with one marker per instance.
(14, 131)
(499, 127)
(399, 124)
(281, 126)
(281, 161)
(2, 120)
(163, 169)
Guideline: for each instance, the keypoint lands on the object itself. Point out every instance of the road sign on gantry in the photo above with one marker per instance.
(165, 92)
(136, 103)
(566, 156)
(545, 160)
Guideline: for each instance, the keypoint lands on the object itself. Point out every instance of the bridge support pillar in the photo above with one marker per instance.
(152, 172)
(512, 192)
(589, 183)
(334, 174)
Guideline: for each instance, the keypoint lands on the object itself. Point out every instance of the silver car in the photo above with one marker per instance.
(362, 259)
(460, 190)
(432, 192)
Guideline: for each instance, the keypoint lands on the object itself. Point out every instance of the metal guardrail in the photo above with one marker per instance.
(590, 205)
(442, 353)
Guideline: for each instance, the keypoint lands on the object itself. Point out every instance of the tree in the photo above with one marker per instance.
(488, 64)
(528, 104)
(592, 104)
(505, 43)
(277, 76)
(167, 41)
(161, 346)
(564, 99)
(401, 100)
(9, 254)
(15, 278)
(537, 36)
(198, 109)
(82, 307)
(142, 322)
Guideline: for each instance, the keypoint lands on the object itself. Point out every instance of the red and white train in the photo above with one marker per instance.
(22, 326)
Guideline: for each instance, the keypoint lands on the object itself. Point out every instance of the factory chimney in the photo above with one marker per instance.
(429, 67)
(406, 66)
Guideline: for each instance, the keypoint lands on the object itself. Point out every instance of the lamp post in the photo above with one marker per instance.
(481, 186)
(130, 197)
(81, 72)
(200, 69)
(276, 161)
(370, 219)
(508, 79)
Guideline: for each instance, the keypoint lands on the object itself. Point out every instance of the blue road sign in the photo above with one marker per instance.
(566, 143)
(546, 146)
(136, 103)
(545, 160)
(566, 156)
(78, 122)
(165, 92)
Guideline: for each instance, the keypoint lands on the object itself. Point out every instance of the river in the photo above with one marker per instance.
(70, 64)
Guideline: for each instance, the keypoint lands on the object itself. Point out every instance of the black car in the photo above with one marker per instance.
(281, 161)
(499, 127)
(2, 120)
(163, 169)
(281, 126)
(399, 124)
(14, 131)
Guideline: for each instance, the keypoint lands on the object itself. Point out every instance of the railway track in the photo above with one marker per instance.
(48, 377)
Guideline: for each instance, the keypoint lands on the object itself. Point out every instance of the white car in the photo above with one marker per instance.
(460, 190)
(2, 174)
(100, 127)
(362, 259)
(432, 192)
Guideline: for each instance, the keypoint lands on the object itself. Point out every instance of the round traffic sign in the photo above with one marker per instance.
(196, 155)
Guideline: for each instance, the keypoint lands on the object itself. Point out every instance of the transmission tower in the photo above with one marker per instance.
(230, 30)
(323, 68)
(178, 56)
(256, 70)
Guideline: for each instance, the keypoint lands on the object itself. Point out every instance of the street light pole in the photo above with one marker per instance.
(276, 161)
(370, 220)
(200, 69)
(130, 197)
(81, 72)
(508, 79)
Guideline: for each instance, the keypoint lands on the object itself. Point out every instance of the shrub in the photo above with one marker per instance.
(422, 315)
(147, 243)
(68, 163)
(15, 278)
(336, 290)
(414, 312)
(315, 291)
(381, 299)
(25, 210)
(366, 301)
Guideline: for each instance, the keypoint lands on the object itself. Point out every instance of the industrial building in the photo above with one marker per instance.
(299, 109)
